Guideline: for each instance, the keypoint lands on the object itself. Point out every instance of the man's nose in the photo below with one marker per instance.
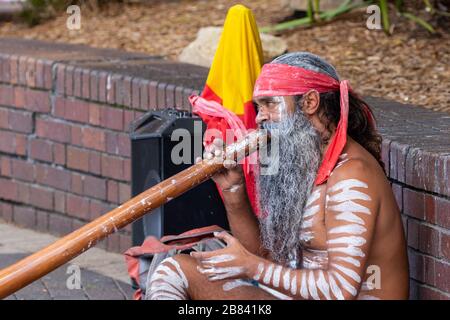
(261, 117)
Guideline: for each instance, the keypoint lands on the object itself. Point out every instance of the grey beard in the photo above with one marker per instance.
(282, 196)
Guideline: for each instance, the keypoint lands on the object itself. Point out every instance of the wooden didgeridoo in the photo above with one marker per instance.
(65, 249)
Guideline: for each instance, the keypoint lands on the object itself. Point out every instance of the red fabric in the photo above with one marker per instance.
(208, 107)
(285, 80)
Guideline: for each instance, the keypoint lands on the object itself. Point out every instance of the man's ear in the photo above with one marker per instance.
(311, 101)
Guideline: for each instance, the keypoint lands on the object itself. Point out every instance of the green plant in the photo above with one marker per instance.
(313, 15)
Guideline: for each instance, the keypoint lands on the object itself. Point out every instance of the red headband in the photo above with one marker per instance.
(285, 80)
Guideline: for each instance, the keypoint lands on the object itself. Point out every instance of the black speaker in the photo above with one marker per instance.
(157, 153)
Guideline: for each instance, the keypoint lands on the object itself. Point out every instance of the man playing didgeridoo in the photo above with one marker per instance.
(329, 226)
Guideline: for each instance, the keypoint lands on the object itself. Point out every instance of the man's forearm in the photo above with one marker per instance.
(243, 223)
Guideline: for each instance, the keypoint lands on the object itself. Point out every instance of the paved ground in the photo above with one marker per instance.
(103, 275)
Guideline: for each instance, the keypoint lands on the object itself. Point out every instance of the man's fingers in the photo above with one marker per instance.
(218, 142)
(229, 164)
(225, 236)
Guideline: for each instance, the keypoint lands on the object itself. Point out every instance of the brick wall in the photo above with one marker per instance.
(65, 151)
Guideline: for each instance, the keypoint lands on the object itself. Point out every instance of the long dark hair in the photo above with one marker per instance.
(359, 127)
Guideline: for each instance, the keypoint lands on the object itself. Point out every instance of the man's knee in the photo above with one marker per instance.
(169, 281)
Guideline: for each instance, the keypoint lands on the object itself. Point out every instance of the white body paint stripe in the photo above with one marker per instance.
(335, 288)
(349, 272)
(304, 287)
(259, 272)
(323, 286)
(350, 260)
(230, 285)
(312, 286)
(350, 217)
(276, 276)
(349, 195)
(351, 241)
(347, 184)
(268, 274)
(345, 284)
(287, 279)
(294, 284)
(350, 206)
(352, 251)
(349, 228)
(219, 259)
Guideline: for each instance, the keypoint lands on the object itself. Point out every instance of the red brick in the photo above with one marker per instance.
(94, 78)
(112, 167)
(94, 187)
(102, 83)
(430, 208)
(23, 192)
(113, 191)
(127, 170)
(85, 86)
(14, 69)
(76, 135)
(111, 88)
(443, 212)
(48, 72)
(111, 118)
(414, 203)
(415, 265)
(143, 87)
(4, 124)
(77, 207)
(40, 74)
(442, 276)
(59, 225)
(429, 240)
(445, 246)
(94, 114)
(428, 293)
(8, 191)
(6, 95)
(111, 142)
(59, 153)
(41, 197)
(59, 200)
(72, 109)
(77, 183)
(95, 162)
(41, 149)
(30, 73)
(123, 145)
(5, 167)
(6, 211)
(98, 209)
(41, 221)
(25, 216)
(60, 75)
(68, 78)
(428, 270)
(124, 192)
(94, 138)
(53, 177)
(128, 117)
(22, 170)
(77, 158)
(22, 72)
(18, 98)
(16, 120)
(77, 82)
(53, 129)
(36, 100)
(14, 143)
(413, 233)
